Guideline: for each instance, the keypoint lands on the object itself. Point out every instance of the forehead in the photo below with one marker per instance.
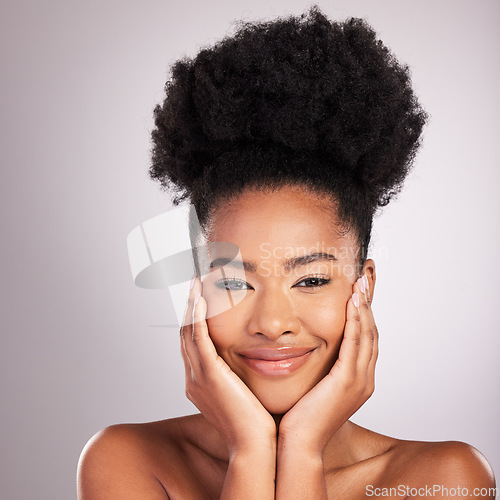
(289, 221)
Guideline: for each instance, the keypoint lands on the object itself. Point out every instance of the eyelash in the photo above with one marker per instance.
(223, 283)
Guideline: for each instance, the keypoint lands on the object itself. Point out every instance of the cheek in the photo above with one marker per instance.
(326, 320)
(219, 302)
(224, 320)
(224, 329)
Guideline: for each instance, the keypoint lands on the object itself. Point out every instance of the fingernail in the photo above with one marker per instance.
(192, 281)
(361, 284)
(355, 299)
(365, 279)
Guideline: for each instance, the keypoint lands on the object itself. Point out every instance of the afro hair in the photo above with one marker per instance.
(296, 100)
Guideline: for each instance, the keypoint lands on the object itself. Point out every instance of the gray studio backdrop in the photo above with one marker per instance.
(78, 82)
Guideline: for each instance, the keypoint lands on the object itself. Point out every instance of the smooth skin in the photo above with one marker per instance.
(287, 436)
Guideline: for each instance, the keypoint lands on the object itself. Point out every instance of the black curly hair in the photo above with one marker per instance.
(294, 101)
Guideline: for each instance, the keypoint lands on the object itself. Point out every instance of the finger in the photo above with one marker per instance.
(375, 330)
(367, 325)
(183, 333)
(200, 335)
(188, 311)
(373, 360)
(369, 335)
(349, 348)
(185, 358)
(367, 291)
(187, 330)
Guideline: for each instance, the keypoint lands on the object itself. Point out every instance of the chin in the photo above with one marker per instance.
(278, 407)
(278, 401)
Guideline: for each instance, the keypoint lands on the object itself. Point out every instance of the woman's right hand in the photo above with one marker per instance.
(220, 395)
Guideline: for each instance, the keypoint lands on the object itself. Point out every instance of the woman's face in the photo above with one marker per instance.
(274, 307)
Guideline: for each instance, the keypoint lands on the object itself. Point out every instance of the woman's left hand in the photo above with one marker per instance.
(312, 421)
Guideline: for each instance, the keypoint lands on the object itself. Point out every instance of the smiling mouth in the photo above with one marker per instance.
(276, 362)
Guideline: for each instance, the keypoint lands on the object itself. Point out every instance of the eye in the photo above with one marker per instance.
(314, 282)
(232, 284)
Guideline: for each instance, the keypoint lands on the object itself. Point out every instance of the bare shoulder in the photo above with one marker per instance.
(443, 466)
(147, 460)
(396, 468)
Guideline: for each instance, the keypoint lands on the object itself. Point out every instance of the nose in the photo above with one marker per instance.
(273, 314)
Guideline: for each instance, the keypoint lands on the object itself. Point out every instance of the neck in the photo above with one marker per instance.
(277, 419)
(339, 451)
(348, 445)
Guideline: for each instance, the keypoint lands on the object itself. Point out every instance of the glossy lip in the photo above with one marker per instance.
(276, 361)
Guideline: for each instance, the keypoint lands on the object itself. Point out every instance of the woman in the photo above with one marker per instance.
(286, 137)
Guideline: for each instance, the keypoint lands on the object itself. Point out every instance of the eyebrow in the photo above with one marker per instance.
(291, 263)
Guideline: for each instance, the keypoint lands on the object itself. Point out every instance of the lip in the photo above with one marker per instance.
(276, 361)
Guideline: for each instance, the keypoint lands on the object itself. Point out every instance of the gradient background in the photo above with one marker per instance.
(79, 81)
